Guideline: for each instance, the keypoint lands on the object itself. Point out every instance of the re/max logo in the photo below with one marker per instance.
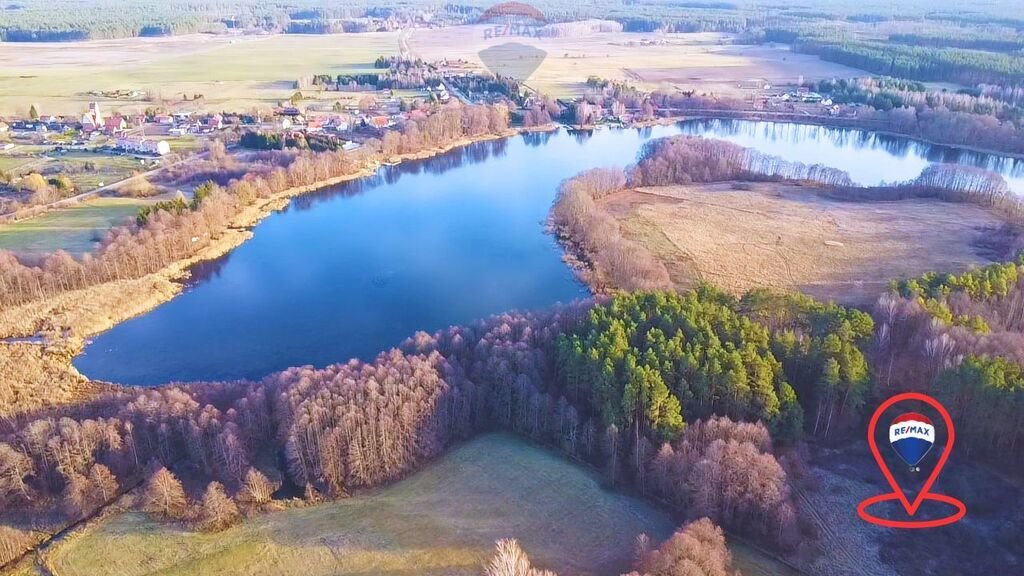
(911, 430)
(514, 30)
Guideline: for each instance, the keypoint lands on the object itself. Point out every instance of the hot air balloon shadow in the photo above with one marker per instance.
(912, 436)
(510, 28)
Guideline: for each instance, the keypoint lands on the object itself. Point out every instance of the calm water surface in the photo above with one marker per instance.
(354, 269)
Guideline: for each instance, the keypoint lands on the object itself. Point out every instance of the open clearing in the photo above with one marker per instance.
(792, 238)
(75, 229)
(704, 61)
(238, 72)
(233, 72)
(442, 520)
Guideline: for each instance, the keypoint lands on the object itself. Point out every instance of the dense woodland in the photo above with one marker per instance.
(357, 425)
(960, 336)
(941, 24)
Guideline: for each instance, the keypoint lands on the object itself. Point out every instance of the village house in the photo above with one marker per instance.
(93, 119)
(28, 126)
(213, 122)
(144, 146)
(316, 124)
(114, 125)
(338, 124)
(379, 122)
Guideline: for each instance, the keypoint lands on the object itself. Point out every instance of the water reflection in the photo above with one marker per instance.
(475, 153)
(353, 269)
(534, 139)
(207, 270)
(869, 157)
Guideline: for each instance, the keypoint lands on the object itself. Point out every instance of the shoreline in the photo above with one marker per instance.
(237, 233)
(56, 329)
(787, 118)
(66, 321)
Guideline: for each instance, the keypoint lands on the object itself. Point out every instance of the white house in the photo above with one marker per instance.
(144, 146)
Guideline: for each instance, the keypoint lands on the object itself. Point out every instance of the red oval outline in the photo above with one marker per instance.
(956, 516)
(897, 492)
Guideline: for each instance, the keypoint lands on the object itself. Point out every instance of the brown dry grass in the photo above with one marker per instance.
(37, 377)
(792, 238)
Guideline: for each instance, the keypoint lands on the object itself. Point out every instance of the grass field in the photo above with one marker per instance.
(241, 72)
(792, 238)
(13, 164)
(442, 520)
(74, 229)
(107, 168)
(232, 72)
(705, 61)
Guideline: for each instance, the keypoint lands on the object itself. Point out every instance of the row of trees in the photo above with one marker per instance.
(177, 230)
(883, 93)
(968, 67)
(689, 159)
(607, 260)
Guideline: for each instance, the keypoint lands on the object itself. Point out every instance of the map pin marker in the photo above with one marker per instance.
(911, 451)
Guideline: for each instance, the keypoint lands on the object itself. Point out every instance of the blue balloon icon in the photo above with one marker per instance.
(912, 436)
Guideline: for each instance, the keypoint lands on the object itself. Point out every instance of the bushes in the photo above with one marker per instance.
(594, 235)
(697, 549)
(725, 470)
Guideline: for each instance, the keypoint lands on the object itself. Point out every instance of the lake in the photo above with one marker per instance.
(352, 270)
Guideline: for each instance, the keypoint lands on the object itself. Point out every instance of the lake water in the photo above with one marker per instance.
(354, 269)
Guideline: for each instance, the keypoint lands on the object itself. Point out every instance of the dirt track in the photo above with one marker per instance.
(793, 238)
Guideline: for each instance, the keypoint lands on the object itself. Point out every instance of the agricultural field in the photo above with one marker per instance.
(75, 229)
(232, 72)
(793, 238)
(442, 520)
(707, 62)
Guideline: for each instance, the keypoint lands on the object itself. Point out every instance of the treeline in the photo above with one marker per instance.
(886, 94)
(172, 233)
(606, 259)
(968, 67)
(258, 140)
(478, 84)
(1007, 41)
(949, 183)
(961, 337)
(357, 425)
(396, 73)
(689, 159)
(65, 20)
